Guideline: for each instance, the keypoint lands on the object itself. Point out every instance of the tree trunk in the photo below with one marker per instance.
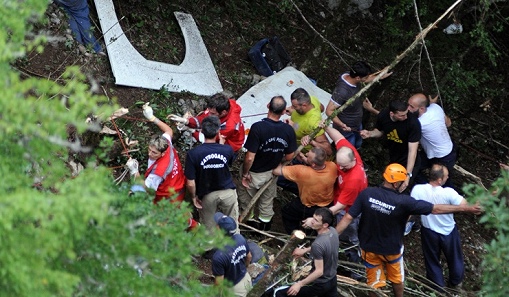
(284, 257)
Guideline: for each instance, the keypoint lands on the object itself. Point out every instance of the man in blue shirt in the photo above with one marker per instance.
(231, 262)
(385, 212)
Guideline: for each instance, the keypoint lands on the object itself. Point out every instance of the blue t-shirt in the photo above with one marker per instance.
(384, 216)
(270, 140)
(231, 260)
(208, 165)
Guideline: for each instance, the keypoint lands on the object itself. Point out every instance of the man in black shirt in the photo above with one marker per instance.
(401, 132)
(269, 141)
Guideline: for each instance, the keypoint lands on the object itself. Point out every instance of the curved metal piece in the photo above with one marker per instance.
(196, 74)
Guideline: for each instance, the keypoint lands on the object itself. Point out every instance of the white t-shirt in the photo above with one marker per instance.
(440, 223)
(435, 139)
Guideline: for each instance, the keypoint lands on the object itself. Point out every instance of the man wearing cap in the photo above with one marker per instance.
(324, 251)
(231, 262)
(209, 181)
(384, 215)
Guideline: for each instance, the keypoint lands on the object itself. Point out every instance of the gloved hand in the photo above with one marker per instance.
(176, 118)
(132, 165)
(137, 188)
(148, 112)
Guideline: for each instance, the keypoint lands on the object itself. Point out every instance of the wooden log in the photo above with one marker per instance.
(283, 258)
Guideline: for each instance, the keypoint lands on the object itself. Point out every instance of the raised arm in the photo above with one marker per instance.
(369, 107)
(334, 134)
(331, 107)
(149, 115)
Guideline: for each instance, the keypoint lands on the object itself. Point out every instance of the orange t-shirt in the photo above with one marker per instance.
(316, 187)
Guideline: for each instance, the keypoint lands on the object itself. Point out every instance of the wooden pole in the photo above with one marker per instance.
(281, 260)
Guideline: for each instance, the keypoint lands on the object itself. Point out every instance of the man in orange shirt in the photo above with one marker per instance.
(315, 183)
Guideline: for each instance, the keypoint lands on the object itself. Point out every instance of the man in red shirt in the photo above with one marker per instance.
(351, 181)
(228, 112)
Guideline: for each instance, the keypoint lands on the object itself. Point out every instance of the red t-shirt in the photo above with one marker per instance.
(351, 182)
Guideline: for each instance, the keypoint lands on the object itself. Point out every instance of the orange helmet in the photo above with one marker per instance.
(394, 173)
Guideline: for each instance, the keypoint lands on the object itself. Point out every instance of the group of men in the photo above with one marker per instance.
(373, 218)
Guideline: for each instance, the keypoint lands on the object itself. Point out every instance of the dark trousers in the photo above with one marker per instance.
(327, 289)
(294, 212)
(448, 161)
(432, 245)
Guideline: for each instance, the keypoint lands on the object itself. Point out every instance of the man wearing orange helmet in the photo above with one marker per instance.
(385, 212)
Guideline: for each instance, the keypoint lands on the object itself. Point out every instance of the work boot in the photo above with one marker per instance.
(254, 223)
(265, 226)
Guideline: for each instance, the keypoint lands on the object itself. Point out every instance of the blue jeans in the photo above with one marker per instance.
(354, 137)
(79, 21)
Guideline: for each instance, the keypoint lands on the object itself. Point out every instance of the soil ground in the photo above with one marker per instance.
(229, 31)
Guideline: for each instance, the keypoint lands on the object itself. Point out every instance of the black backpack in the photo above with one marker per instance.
(269, 56)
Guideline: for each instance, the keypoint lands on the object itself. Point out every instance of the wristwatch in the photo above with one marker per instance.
(409, 174)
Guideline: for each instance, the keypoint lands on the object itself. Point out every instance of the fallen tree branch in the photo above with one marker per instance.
(467, 173)
(263, 233)
(282, 258)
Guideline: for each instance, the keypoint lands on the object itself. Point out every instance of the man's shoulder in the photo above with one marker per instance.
(383, 116)
(419, 189)
(413, 119)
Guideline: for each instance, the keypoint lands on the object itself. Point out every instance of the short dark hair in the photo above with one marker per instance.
(327, 216)
(436, 172)
(220, 102)
(277, 105)
(320, 156)
(301, 95)
(398, 105)
(360, 69)
(210, 126)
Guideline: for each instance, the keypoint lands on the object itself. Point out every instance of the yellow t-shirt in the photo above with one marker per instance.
(305, 124)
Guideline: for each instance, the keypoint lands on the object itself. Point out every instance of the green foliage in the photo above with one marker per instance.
(491, 19)
(396, 14)
(496, 216)
(81, 236)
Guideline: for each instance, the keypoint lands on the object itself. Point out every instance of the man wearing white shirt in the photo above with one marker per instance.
(439, 232)
(436, 142)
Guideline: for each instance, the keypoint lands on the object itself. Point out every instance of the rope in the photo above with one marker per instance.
(120, 137)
